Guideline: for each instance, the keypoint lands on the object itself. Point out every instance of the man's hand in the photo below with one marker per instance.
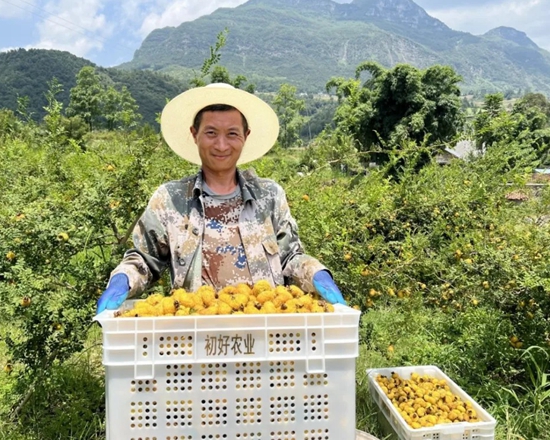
(115, 294)
(325, 286)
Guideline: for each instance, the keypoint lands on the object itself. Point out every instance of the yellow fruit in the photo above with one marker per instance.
(347, 257)
(10, 255)
(183, 311)
(295, 291)
(305, 197)
(260, 286)
(25, 301)
(63, 236)
(207, 295)
(168, 305)
(230, 300)
(422, 400)
(110, 167)
(154, 299)
(266, 295)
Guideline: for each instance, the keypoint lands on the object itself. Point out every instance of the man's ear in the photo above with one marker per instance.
(193, 133)
(247, 134)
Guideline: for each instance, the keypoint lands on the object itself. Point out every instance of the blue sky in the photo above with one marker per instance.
(108, 32)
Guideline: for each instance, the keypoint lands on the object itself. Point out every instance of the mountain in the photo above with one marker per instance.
(27, 73)
(306, 42)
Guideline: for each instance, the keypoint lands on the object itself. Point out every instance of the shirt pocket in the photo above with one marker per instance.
(271, 249)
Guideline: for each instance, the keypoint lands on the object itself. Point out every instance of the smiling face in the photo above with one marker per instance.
(220, 138)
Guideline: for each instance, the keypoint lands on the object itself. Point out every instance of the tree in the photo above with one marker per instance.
(219, 74)
(393, 106)
(525, 125)
(85, 96)
(54, 119)
(288, 108)
(119, 108)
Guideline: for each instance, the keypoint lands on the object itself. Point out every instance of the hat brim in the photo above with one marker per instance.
(178, 115)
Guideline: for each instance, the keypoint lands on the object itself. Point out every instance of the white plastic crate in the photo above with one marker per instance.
(250, 377)
(399, 429)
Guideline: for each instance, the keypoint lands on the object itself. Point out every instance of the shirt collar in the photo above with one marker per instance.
(246, 188)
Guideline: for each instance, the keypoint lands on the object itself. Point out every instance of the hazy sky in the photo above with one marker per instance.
(108, 32)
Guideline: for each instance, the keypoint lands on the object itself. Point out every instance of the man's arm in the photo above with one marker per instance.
(151, 254)
(297, 266)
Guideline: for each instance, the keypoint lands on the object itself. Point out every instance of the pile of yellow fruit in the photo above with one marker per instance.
(241, 299)
(425, 401)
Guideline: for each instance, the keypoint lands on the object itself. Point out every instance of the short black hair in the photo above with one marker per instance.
(217, 108)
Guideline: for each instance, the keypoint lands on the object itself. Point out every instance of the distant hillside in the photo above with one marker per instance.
(27, 73)
(306, 42)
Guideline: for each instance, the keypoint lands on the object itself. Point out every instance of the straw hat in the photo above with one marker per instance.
(178, 115)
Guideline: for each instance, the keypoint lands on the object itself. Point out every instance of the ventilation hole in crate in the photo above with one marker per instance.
(282, 409)
(145, 347)
(249, 435)
(178, 413)
(179, 378)
(143, 414)
(144, 438)
(315, 379)
(139, 386)
(282, 435)
(248, 410)
(213, 376)
(213, 436)
(282, 374)
(248, 375)
(313, 341)
(214, 412)
(181, 346)
(284, 342)
(316, 407)
(316, 434)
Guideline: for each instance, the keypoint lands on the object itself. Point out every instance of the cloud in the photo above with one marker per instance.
(78, 27)
(15, 9)
(478, 17)
(176, 12)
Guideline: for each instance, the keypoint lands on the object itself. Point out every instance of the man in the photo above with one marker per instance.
(221, 226)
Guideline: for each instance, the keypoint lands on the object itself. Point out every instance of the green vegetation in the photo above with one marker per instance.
(446, 270)
(26, 73)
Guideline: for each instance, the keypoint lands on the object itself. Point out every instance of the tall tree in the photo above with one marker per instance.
(288, 108)
(119, 108)
(85, 96)
(404, 103)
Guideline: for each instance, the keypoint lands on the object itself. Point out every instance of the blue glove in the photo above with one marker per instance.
(115, 294)
(324, 285)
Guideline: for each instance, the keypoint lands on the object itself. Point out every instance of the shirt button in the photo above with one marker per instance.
(196, 231)
(181, 261)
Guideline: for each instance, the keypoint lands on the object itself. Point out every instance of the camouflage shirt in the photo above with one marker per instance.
(169, 235)
(223, 256)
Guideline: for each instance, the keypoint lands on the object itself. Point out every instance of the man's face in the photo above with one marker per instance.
(220, 139)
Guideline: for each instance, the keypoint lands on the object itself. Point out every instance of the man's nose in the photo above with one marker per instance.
(223, 143)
